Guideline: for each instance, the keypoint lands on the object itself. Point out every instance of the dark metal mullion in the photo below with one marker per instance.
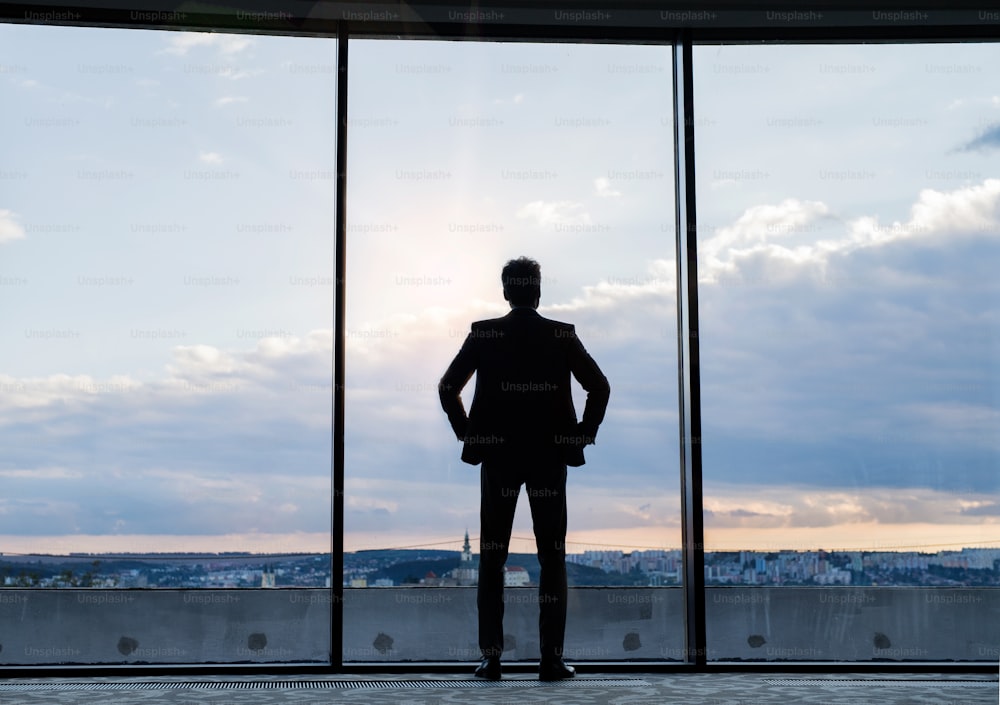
(339, 255)
(692, 520)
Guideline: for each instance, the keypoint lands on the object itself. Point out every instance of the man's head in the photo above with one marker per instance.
(522, 282)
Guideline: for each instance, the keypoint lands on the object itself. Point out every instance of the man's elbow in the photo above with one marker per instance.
(445, 390)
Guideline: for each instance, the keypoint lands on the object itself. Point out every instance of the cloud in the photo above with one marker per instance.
(233, 74)
(750, 250)
(754, 234)
(192, 362)
(797, 506)
(10, 229)
(516, 100)
(229, 100)
(985, 141)
(971, 210)
(41, 474)
(368, 504)
(21, 395)
(767, 222)
(210, 157)
(602, 187)
(548, 214)
(196, 488)
(200, 449)
(227, 44)
(982, 509)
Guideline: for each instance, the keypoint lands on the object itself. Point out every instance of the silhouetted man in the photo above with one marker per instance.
(523, 428)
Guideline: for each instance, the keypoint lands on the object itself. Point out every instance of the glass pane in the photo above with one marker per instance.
(463, 156)
(850, 204)
(166, 227)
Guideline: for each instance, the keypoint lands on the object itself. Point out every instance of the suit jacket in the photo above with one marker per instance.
(523, 403)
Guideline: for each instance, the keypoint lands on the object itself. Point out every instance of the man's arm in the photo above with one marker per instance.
(590, 377)
(454, 380)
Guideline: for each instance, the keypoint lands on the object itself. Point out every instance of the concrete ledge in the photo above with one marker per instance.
(108, 627)
(603, 624)
(862, 624)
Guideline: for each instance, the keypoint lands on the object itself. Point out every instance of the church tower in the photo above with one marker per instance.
(466, 573)
(466, 549)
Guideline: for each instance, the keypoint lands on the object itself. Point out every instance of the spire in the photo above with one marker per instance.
(466, 549)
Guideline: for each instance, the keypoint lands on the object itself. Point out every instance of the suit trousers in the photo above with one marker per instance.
(545, 485)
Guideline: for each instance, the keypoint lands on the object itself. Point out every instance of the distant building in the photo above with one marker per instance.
(515, 576)
(431, 579)
(834, 577)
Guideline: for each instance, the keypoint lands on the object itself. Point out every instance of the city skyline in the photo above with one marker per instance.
(443, 568)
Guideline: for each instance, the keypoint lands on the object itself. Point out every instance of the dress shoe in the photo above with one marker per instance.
(554, 670)
(489, 668)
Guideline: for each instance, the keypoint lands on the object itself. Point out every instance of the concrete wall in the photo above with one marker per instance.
(854, 624)
(163, 626)
(439, 624)
(603, 624)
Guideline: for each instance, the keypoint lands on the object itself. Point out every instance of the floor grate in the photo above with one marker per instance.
(323, 684)
(884, 682)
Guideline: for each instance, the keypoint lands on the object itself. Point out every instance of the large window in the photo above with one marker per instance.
(850, 227)
(168, 236)
(462, 156)
(166, 248)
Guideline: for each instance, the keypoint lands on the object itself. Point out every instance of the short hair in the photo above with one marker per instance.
(522, 281)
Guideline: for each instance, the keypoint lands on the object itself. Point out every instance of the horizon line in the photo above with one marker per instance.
(290, 554)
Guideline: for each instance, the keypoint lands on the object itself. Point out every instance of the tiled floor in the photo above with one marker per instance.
(516, 689)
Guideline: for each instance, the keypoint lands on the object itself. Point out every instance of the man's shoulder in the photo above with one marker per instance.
(489, 329)
(535, 320)
(488, 323)
(561, 328)
(558, 324)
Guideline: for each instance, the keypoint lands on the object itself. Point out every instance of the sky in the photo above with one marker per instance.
(166, 281)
